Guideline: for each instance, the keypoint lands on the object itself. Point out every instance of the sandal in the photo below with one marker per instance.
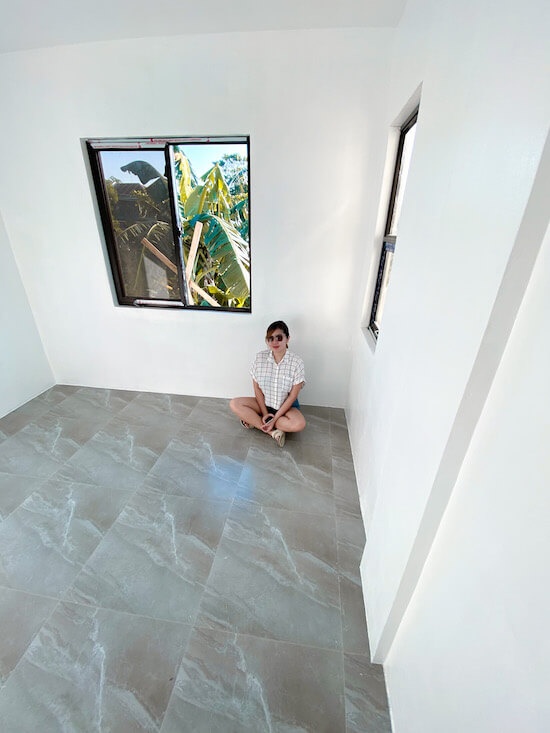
(245, 425)
(279, 437)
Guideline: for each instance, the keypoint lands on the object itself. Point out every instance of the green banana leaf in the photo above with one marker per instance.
(194, 203)
(217, 192)
(184, 176)
(222, 264)
(229, 253)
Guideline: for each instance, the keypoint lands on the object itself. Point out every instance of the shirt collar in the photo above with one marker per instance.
(270, 356)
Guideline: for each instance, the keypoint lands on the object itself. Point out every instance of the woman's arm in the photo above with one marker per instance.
(260, 399)
(290, 400)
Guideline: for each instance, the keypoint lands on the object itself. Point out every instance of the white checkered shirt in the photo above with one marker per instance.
(276, 380)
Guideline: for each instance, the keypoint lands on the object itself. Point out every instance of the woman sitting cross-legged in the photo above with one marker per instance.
(277, 376)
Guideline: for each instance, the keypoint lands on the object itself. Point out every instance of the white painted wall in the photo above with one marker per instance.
(310, 102)
(473, 652)
(24, 368)
(414, 401)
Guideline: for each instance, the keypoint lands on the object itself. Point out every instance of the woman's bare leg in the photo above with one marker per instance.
(248, 410)
(291, 422)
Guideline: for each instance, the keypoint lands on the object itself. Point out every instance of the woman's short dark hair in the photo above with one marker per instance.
(281, 325)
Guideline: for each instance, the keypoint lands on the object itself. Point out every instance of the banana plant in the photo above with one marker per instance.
(222, 264)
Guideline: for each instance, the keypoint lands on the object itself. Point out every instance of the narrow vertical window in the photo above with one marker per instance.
(401, 170)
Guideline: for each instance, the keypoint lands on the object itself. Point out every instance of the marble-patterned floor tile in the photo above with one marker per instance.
(316, 432)
(230, 683)
(79, 430)
(347, 507)
(87, 402)
(346, 494)
(275, 576)
(338, 417)
(318, 438)
(214, 416)
(339, 439)
(21, 616)
(150, 408)
(366, 699)
(306, 454)
(90, 670)
(277, 480)
(199, 465)
(56, 394)
(149, 437)
(221, 444)
(74, 411)
(296, 449)
(14, 490)
(345, 483)
(350, 535)
(354, 624)
(112, 400)
(22, 416)
(47, 539)
(119, 455)
(322, 413)
(44, 445)
(35, 452)
(156, 558)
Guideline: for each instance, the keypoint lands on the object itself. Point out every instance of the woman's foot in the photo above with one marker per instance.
(279, 437)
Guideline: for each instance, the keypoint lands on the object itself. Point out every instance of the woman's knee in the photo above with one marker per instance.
(292, 423)
(234, 404)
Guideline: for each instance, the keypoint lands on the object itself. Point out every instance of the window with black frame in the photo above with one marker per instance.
(176, 220)
(401, 170)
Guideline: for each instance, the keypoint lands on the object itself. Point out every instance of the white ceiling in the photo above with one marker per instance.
(28, 24)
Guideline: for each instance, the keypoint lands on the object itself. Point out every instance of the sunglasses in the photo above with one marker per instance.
(278, 337)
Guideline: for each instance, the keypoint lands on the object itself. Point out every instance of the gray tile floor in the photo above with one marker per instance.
(163, 569)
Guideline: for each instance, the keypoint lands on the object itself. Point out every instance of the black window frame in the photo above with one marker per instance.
(389, 240)
(94, 147)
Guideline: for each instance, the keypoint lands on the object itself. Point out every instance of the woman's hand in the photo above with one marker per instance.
(268, 423)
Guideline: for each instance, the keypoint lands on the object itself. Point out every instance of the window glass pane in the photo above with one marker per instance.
(402, 174)
(139, 207)
(212, 206)
(385, 280)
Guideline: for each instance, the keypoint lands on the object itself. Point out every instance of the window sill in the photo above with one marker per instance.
(370, 340)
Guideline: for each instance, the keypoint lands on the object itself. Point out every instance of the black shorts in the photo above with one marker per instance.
(272, 410)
